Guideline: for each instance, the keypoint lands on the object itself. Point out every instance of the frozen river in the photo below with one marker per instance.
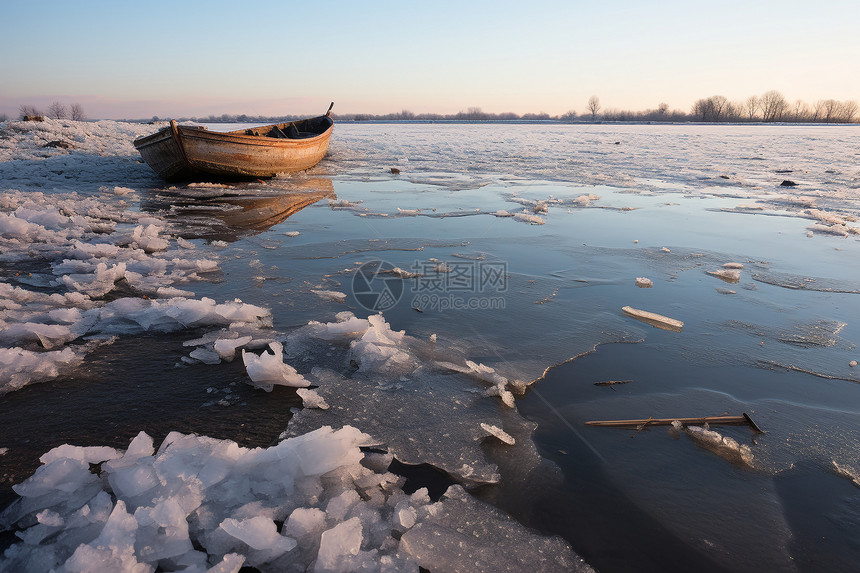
(500, 257)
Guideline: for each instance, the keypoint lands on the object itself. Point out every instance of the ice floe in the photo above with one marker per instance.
(197, 504)
(729, 275)
(723, 446)
(268, 370)
(94, 268)
(415, 382)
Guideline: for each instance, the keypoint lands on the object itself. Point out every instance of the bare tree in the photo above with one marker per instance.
(773, 106)
(569, 115)
(733, 111)
(830, 110)
(752, 107)
(817, 110)
(711, 109)
(663, 108)
(701, 109)
(57, 110)
(847, 111)
(77, 112)
(28, 111)
(801, 110)
(593, 106)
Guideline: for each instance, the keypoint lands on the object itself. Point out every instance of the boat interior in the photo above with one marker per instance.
(301, 129)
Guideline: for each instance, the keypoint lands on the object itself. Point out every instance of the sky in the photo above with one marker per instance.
(122, 59)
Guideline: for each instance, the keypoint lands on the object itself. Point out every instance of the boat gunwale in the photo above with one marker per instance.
(235, 136)
(254, 140)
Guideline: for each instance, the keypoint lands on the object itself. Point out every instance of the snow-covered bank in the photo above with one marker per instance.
(64, 155)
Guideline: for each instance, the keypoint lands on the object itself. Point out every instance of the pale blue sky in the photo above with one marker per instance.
(145, 58)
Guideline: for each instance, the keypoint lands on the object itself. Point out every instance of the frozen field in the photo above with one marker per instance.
(198, 377)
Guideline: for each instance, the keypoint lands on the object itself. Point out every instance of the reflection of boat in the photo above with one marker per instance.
(230, 217)
(259, 213)
(179, 152)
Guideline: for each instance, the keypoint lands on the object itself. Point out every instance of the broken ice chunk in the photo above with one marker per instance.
(147, 239)
(404, 517)
(332, 295)
(226, 347)
(723, 446)
(338, 544)
(500, 391)
(837, 230)
(260, 534)
(305, 523)
(173, 292)
(267, 369)
(497, 432)
(113, 549)
(205, 355)
(231, 563)
(643, 282)
(846, 472)
(398, 272)
(310, 399)
(733, 265)
(584, 200)
(528, 218)
(727, 275)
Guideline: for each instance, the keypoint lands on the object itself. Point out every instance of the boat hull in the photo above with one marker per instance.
(179, 153)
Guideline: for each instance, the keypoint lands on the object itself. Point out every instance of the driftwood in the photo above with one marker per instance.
(743, 420)
(611, 382)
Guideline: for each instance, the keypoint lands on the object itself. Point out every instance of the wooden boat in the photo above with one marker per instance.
(181, 153)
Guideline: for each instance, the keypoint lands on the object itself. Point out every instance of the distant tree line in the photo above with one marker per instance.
(56, 110)
(772, 106)
(769, 107)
